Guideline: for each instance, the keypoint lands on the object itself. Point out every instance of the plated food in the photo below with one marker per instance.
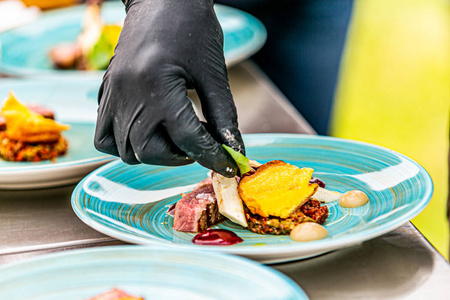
(143, 272)
(116, 294)
(273, 198)
(130, 203)
(29, 54)
(72, 102)
(93, 48)
(30, 133)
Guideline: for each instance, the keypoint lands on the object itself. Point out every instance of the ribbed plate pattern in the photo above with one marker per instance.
(25, 49)
(398, 189)
(142, 271)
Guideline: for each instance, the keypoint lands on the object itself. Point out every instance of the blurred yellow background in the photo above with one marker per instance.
(394, 91)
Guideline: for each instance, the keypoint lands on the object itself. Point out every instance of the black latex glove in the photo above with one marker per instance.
(144, 115)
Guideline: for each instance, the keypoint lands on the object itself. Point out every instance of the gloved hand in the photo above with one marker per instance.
(144, 114)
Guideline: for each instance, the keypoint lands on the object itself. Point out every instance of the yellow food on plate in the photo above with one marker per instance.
(29, 136)
(24, 125)
(276, 189)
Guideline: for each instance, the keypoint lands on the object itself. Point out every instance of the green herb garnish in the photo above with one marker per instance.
(239, 158)
(99, 56)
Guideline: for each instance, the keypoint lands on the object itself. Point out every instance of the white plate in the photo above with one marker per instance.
(74, 103)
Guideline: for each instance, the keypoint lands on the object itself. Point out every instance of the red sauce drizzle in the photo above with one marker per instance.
(216, 237)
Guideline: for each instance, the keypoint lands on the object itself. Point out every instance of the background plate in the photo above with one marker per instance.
(141, 271)
(24, 50)
(115, 198)
(73, 103)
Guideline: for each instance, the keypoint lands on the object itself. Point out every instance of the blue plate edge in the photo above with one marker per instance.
(55, 74)
(287, 248)
(295, 288)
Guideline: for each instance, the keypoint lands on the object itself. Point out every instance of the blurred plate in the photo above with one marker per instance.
(73, 103)
(24, 50)
(141, 271)
(115, 198)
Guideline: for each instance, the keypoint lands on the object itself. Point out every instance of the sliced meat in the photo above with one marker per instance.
(171, 210)
(45, 112)
(65, 56)
(198, 210)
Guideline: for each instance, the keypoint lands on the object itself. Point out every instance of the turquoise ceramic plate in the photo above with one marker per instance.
(25, 50)
(117, 199)
(149, 273)
(73, 103)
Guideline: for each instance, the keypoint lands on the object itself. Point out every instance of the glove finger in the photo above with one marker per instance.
(155, 147)
(122, 136)
(190, 135)
(104, 140)
(217, 104)
(112, 134)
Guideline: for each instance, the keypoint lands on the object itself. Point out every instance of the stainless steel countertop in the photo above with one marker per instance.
(398, 265)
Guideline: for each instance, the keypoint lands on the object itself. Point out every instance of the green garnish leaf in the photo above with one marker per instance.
(102, 51)
(239, 158)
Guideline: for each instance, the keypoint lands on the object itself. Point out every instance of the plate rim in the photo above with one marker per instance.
(258, 40)
(29, 175)
(286, 249)
(29, 167)
(128, 250)
(15, 170)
